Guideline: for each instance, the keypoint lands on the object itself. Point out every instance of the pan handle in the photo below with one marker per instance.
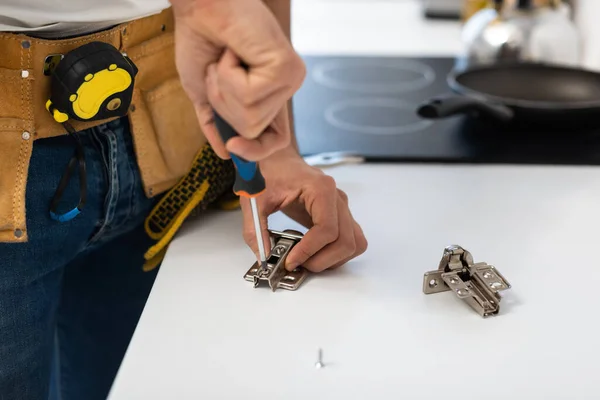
(442, 107)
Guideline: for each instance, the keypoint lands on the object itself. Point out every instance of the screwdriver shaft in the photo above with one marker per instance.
(258, 231)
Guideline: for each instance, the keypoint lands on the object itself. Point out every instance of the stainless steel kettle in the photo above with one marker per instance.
(521, 30)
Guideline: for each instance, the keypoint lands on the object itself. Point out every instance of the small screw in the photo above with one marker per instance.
(319, 364)
(279, 250)
(453, 280)
(488, 275)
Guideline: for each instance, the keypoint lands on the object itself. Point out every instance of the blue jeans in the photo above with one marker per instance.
(70, 298)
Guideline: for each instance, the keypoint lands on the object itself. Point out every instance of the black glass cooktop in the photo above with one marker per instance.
(366, 106)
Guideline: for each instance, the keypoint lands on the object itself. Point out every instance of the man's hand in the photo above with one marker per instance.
(311, 198)
(213, 38)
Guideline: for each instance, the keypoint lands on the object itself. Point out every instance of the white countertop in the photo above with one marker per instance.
(207, 334)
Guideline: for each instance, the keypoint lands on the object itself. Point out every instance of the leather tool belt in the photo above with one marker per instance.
(165, 130)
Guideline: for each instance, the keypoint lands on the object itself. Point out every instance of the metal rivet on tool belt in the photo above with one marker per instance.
(478, 284)
(24, 74)
(26, 135)
(26, 44)
(18, 233)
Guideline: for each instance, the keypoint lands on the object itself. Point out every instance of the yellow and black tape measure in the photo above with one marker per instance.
(93, 82)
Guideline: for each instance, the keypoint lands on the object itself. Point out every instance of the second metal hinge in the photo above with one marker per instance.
(276, 276)
(478, 284)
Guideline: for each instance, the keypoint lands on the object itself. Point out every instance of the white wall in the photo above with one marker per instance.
(396, 27)
(587, 18)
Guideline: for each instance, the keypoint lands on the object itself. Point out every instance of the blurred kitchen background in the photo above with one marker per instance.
(373, 63)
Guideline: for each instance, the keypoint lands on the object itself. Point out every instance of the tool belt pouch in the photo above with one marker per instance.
(14, 160)
(16, 143)
(165, 127)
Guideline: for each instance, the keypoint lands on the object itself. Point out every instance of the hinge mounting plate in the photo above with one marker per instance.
(276, 276)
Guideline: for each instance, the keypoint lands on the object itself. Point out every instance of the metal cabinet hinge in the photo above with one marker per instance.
(276, 276)
(478, 284)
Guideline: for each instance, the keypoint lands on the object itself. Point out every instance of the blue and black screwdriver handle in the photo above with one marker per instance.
(249, 181)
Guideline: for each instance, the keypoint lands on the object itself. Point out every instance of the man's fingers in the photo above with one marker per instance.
(252, 120)
(254, 150)
(230, 61)
(249, 119)
(359, 236)
(272, 140)
(338, 251)
(255, 142)
(247, 86)
(322, 207)
(361, 246)
(208, 127)
(249, 32)
(250, 100)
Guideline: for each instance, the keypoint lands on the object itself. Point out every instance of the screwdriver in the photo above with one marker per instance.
(249, 183)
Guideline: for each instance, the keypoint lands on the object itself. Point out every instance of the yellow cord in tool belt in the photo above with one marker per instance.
(209, 179)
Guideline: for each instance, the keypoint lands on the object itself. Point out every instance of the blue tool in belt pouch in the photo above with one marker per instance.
(91, 83)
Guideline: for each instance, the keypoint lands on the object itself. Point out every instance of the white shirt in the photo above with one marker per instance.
(62, 18)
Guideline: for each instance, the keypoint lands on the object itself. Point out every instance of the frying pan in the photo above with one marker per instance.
(527, 92)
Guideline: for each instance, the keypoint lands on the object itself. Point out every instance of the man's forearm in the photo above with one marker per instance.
(282, 11)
